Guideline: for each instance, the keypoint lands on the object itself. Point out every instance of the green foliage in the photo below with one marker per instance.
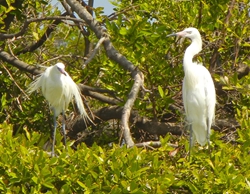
(26, 168)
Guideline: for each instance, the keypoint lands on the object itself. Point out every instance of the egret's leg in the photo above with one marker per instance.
(208, 136)
(54, 135)
(63, 129)
(190, 140)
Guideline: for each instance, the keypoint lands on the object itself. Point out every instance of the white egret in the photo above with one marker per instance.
(198, 91)
(58, 88)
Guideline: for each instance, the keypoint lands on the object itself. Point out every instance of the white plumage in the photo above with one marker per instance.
(59, 89)
(198, 90)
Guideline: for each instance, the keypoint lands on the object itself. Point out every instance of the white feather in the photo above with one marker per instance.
(58, 89)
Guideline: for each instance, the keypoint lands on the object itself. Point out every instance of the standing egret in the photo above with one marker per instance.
(198, 91)
(58, 88)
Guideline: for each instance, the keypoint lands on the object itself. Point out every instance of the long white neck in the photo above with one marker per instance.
(193, 49)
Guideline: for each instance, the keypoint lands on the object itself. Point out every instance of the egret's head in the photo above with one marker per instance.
(191, 33)
(194, 35)
(61, 68)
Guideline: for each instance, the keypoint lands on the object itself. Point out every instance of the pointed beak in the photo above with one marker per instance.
(174, 34)
(62, 71)
(178, 34)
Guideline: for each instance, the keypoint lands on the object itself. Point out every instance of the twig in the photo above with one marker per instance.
(11, 52)
(11, 77)
(94, 51)
(61, 56)
(153, 144)
(115, 14)
(27, 22)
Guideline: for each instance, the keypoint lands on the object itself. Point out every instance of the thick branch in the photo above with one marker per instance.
(113, 54)
(6, 57)
(143, 123)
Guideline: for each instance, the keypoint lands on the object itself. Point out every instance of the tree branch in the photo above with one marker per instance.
(94, 51)
(145, 124)
(57, 19)
(113, 54)
(95, 93)
(6, 57)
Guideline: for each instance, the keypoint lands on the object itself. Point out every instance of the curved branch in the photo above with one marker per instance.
(113, 54)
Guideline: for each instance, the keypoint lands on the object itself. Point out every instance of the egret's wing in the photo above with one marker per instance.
(210, 96)
(184, 96)
(75, 91)
(36, 84)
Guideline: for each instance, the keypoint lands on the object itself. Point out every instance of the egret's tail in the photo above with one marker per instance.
(200, 132)
(78, 100)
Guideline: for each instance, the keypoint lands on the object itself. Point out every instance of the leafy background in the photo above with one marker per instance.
(138, 32)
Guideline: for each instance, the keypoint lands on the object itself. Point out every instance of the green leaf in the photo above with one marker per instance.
(86, 190)
(161, 91)
(123, 31)
(35, 35)
(48, 185)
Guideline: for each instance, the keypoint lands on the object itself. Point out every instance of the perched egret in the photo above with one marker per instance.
(198, 91)
(58, 88)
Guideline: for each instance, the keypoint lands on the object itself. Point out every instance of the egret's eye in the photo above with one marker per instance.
(189, 32)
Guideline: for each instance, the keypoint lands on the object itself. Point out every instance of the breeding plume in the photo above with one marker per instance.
(198, 91)
(58, 88)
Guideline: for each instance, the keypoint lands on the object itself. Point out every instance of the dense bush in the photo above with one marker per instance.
(26, 168)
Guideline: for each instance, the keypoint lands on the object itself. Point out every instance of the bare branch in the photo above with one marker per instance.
(94, 51)
(113, 54)
(88, 91)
